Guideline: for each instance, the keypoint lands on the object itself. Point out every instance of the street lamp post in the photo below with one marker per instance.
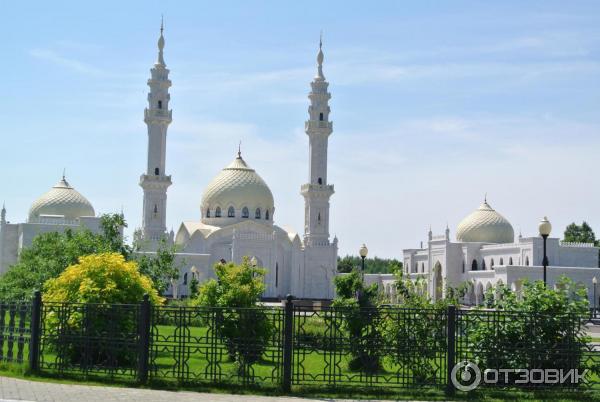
(545, 227)
(363, 251)
(363, 254)
(595, 282)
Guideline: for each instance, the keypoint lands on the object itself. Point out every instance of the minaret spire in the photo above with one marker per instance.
(161, 45)
(318, 128)
(320, 253)
(320, 58)
(155, 182)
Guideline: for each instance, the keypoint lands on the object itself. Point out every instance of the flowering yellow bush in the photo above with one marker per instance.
(101, 278)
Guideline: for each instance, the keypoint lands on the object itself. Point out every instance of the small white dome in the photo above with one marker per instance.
(485, 225)
(61, 200)
(240, 187)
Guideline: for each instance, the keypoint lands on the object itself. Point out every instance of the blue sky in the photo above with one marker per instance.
(433, 103)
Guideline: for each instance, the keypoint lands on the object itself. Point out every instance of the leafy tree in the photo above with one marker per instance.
(161, 266)
(194, 288)
(419, 321)
(99, 285)
(372, 265)
(112, 230)
(50, 253)
(579, 233)
(543, 328)
(105, 278)
(355, 304)
(245, 329)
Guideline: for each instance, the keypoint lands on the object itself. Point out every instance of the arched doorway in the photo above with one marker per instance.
(438, 289)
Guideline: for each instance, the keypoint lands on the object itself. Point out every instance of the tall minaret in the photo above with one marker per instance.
(155, 182)
(317, 192)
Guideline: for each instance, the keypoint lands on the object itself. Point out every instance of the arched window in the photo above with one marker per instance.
(245, 212)
(474, 265)
(320, 116)
(422, 267)
(156, 171)
(231, 212)
(320, 181)
(483, 264)
(416, 267)
(208, 212)
(463, 266)
(501, 261)
(276, 274)
(319, 218)
(185, 278)
(160, 104)
(492, 263)
(267, 214)
(218, 212)
(510, 262)
(155, 210)
(257, 213)
(527, 261)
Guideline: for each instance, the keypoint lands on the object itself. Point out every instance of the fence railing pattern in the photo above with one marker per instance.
(370, 346)
(15, 318)
(89, 339)
(216, 345)
(281, 347)
(508, 342)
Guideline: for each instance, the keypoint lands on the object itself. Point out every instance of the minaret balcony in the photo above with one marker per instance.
(152, 181)
(318, 125)
(161, 115)
(325, 189)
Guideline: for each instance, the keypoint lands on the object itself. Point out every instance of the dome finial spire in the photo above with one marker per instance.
(321, 40)
(320, 58)
(161, 44)
(240, 150)
(64, 173)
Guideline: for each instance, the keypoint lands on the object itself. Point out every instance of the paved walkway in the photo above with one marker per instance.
(12, 390)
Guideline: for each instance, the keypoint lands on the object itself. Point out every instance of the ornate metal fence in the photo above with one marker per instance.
(375, 347)
(90, 339)
(15, 318)
(281, 347)
(519, 346)
(217, 345)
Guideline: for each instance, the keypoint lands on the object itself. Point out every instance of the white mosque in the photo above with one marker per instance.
(237, 209)
(59, 208)
(237, 213)
(486, 254)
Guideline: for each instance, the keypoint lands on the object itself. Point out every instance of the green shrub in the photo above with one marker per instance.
(356, 314)
(243, 328)
(87, 298)
(543, 328)
(417, 331)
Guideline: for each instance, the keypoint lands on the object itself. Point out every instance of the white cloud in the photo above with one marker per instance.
(72, 64)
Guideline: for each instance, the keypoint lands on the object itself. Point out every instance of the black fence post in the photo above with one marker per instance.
(35, 327)
(451, 352)
(288, 333)
(144, 339)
